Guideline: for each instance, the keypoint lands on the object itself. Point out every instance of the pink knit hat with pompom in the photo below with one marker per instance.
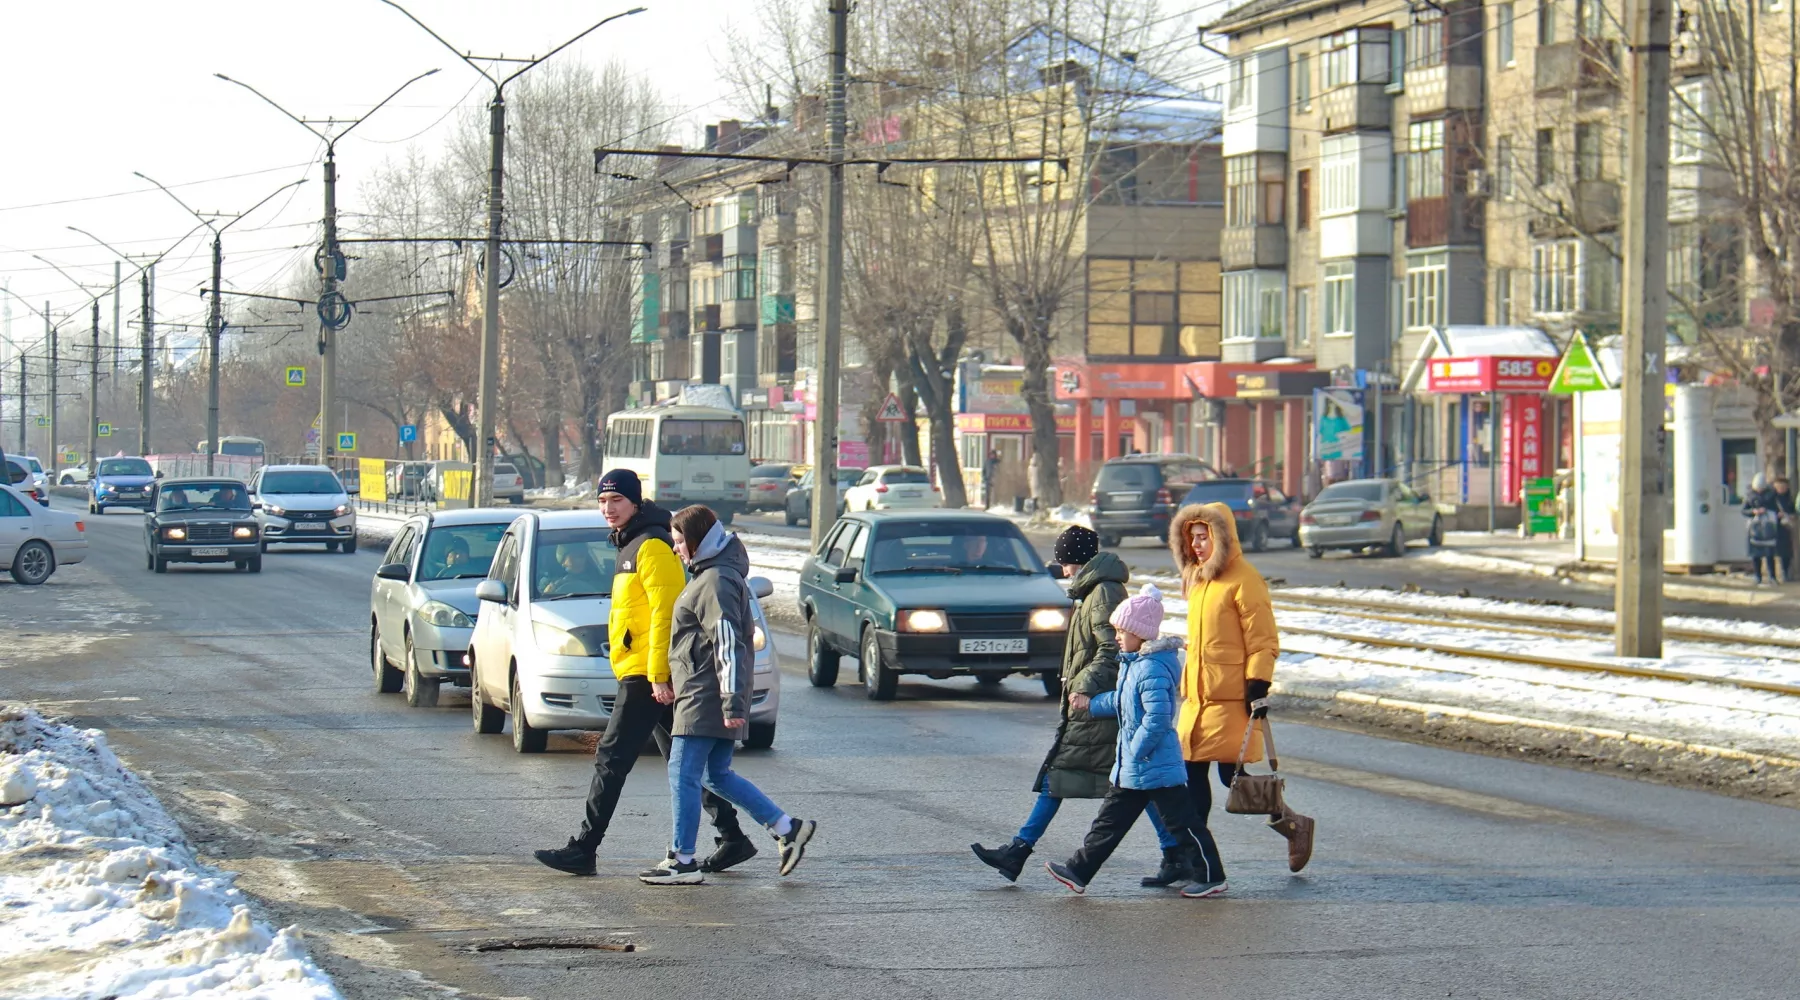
(1141, 615)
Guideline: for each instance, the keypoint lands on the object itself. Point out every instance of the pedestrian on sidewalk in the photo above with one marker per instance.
(1231, 649)
(647, 580)
(1762, 507)
(1081, 757)
(1148, 769)
(1783, 497)
(710, 663)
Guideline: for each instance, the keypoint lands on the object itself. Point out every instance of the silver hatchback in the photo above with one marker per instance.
(1381, 514)
(422, 604)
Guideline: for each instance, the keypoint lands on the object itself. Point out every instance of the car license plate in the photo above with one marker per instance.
(993, 646)
(1334, 519)
(208, 552)
(312, 526)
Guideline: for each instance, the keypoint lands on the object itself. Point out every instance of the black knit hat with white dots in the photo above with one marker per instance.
(1077, 545)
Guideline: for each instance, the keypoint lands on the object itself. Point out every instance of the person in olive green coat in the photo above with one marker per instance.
(1080, 761)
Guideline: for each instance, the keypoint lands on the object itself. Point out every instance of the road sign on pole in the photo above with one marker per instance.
(296, 376)
(105, 430)
(409, 433)
(346, 441)
(891, 413)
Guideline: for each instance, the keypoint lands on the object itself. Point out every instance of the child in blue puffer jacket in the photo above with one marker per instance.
(1148, 768)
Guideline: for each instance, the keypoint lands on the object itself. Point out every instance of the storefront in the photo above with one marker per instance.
(1279, 401)
(1494, 407)
(777, 432)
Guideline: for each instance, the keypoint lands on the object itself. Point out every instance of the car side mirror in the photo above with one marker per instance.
(256, 505)
(159, 474)
(761, 588)
(846, 575)
(491, 590)
(394, 571)
(1056, 571)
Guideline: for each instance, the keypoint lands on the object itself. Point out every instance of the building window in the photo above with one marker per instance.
(1255, 305)
(1340, 297)
(1337, 61)
(1546, 22)
(1687, 131)
(1271, 306)
(1242, 79)
(1150, 308)
(1425, 156)
(740, 278)
(1338, 175)
(1503, 34)
(1303, 199)
(1590, 19)
(1503, 168)
(1426, 301)
(1545, 168)
(1303, 317)
(1425, 39)
(1240, 191)
(1588, 158)
(1555, 268)
(1303, 81)
(1599, 275)
(1503, 296)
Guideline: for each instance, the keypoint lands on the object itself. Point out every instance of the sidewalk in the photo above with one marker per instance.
(1555, 558)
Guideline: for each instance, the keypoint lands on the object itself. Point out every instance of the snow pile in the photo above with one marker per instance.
(101, 896)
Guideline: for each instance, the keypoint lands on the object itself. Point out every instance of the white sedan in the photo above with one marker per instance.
(35, 540)
(893, 487)
(540, 653)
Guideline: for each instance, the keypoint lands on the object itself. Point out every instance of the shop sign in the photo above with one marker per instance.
(853, 454)
(1489, 373)
(1577, 371)
(1007, 423)
(1540, 506)
(1275, 385)
(1522, 443)
(994, 392)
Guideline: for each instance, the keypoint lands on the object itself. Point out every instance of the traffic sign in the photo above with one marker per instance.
(346, 441)
(105, 430)
(1578, 370)
(296, 376)
(409, 433)
(71, 457)
(891, 413)
(43, 421)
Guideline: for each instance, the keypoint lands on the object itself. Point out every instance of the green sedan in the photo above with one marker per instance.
(942, 593)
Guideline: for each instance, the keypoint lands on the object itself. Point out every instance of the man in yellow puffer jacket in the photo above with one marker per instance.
(647, 580)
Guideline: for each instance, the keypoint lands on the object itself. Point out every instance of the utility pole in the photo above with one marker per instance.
(214, 322)
(146, 378)
(1645, 320)
(328, 335)
(482, 489)
(24, 446)
(831, 335)
(118, 279)
(93, 434)
(50, 333)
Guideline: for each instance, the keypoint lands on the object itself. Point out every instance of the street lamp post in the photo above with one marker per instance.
(215, 319)
(331, 319)
(482, 489)
(93, 429)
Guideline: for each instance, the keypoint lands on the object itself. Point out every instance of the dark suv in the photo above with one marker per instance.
(1137, 495)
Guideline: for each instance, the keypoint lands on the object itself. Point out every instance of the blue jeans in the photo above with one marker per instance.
(1044, 810)
(697, 760)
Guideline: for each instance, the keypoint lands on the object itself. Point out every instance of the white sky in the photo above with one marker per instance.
(100, 88)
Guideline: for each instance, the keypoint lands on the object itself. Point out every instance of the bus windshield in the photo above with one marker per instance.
(241, 446)
(701, 437)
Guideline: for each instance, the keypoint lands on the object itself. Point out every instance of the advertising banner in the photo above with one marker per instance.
(1338, 425)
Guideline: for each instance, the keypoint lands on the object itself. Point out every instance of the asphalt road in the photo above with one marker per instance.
(401, 841)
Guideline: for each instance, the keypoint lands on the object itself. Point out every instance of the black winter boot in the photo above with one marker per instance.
(1008, 860)
(575, 858)
(1175, 870)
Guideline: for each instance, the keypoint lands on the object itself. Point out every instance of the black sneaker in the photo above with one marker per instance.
(1174, 871)
(673, 873)
(732, 851)
(793, 843)
(1066, 875)
(572, 858)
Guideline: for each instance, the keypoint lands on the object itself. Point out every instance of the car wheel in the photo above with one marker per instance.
(349, 546)
(387, 679)
(255, 563)
(33, 563)
(159, 564)
(788, 516)
(150, 560)
(761, 736)
(1259, 536)
(991, 678)
(726, 516)
(241, 565)
(91, 509)
(1396, 543)
(1109, 541)
(1052, 684)
(331, 546)
(488, 719)
(880, 682)
(1436, 538)
(526, 737)
(821, 659)
(1295, 537)
(1315, 553)
(421, 691)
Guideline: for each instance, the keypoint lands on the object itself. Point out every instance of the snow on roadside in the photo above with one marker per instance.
(101, 896)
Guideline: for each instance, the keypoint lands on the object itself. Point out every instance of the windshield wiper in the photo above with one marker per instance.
(922, 569)
(558, 597)
(1015, 570)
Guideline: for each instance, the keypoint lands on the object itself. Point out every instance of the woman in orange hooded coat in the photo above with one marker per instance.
(1232, 644)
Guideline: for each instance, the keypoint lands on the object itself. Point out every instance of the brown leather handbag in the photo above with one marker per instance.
(1257, 794)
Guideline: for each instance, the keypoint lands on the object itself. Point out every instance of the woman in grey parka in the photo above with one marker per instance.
(710, 664)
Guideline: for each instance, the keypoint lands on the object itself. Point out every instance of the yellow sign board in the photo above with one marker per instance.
(374, 479)
(456, 484)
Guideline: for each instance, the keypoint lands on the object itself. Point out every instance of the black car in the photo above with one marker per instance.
(1262, 510)
(204, 520)
(1138, 494)
(798, 504)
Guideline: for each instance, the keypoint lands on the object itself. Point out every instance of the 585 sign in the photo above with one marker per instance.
(1489, 373)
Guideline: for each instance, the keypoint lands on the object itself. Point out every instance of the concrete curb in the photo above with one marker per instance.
(1581, 574)
(1499, 719)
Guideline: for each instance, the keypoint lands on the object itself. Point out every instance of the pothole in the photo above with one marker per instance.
(554, 944)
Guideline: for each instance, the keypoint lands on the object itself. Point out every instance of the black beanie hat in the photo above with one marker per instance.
(1077, 545)
(625, 483)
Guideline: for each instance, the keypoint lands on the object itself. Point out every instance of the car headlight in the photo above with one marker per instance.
(340, 510)
(444, 616)
(1049, 620)
(175, 534)
(923, 620)
(243, 531)
(275, 510)
(758, 640)
(583, 640)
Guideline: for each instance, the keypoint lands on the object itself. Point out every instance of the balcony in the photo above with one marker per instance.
(1432, 90)
(777, 309)
(1359, 234)
(737, 314)
(1251, 349)
(1448, 220)
(706, 318)
(1588, 68)
(671, 254)
(1588, 207)
(1247, 247)
(673, 325)
(738, 241)
(1697, 191)
(708, 248)
(1358, 106)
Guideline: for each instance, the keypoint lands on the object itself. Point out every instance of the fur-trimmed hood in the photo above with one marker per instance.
(1226, 549)
(1161, 643)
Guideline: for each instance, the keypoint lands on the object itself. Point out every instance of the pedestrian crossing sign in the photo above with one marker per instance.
(105, 430)
(346, 442)
(296, 376)
(43, 421)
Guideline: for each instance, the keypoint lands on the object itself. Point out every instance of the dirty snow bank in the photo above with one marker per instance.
(101, 896)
